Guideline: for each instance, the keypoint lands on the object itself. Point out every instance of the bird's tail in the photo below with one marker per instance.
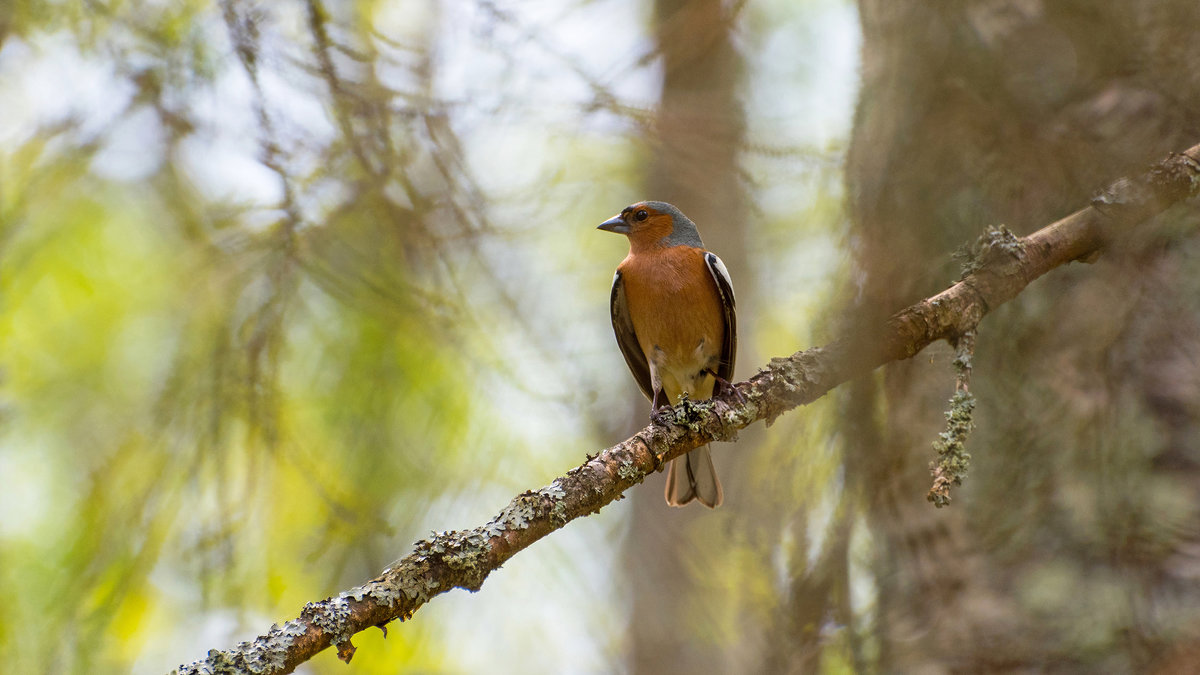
(693, 477)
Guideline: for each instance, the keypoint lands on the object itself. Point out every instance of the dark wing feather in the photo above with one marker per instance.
(725, 289)
(627, 339)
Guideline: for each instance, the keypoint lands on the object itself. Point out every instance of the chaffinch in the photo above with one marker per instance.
(673, 313)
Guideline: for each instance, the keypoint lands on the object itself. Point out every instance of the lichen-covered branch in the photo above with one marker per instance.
(1006, 265)
(951, 466)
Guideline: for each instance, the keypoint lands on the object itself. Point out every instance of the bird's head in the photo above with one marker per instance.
(653, 225)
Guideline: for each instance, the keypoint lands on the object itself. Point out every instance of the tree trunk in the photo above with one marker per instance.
(1071, 547)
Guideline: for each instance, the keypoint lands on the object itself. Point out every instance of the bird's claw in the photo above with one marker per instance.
(722, 385)
(663, 416)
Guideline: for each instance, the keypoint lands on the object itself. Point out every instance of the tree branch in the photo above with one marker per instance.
(1005, 266)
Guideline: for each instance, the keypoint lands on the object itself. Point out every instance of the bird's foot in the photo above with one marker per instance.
(660, 409)
(722, 385)
(666, 414)
(663, 415)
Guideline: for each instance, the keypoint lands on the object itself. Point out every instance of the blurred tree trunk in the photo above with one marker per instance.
(1074, 546)
(694, 165)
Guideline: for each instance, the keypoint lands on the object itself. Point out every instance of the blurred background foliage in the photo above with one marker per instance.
(285, 286)
(288, 285)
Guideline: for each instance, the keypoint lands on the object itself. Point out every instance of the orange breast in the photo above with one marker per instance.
(675, 307)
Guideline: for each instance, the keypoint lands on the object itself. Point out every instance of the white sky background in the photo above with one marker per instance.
(529, 132)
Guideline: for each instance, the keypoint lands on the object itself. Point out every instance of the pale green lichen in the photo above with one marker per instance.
(553, 490)
(526, 508)
(691, 413)
(628, 470)
(411, 581)
(559, 512)
(459, 551)
(558, 505)
(412, 585)
(953, 459)
(383, 593)
(519, 512)
(332, 616)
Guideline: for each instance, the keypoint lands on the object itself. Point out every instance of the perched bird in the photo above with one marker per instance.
(673, 313)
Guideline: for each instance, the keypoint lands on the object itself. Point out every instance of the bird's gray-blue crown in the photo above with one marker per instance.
(684, 233)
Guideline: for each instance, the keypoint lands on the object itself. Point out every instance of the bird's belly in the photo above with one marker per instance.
(677, 376)
(678, 318)
(681, 346)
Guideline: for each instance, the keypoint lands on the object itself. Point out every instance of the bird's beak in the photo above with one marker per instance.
(615, 224)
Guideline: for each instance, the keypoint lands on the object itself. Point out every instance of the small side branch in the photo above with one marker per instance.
(465, 559)
(953, 459)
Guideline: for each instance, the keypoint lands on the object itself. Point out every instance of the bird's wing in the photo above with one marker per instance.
(627, 338)
(725, 289)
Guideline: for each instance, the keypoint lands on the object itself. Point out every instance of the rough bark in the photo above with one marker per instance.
(465, 559)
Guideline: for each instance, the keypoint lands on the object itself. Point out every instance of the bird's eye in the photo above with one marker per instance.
(641, 215)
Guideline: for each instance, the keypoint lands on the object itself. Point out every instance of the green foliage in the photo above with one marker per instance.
(217, 406)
